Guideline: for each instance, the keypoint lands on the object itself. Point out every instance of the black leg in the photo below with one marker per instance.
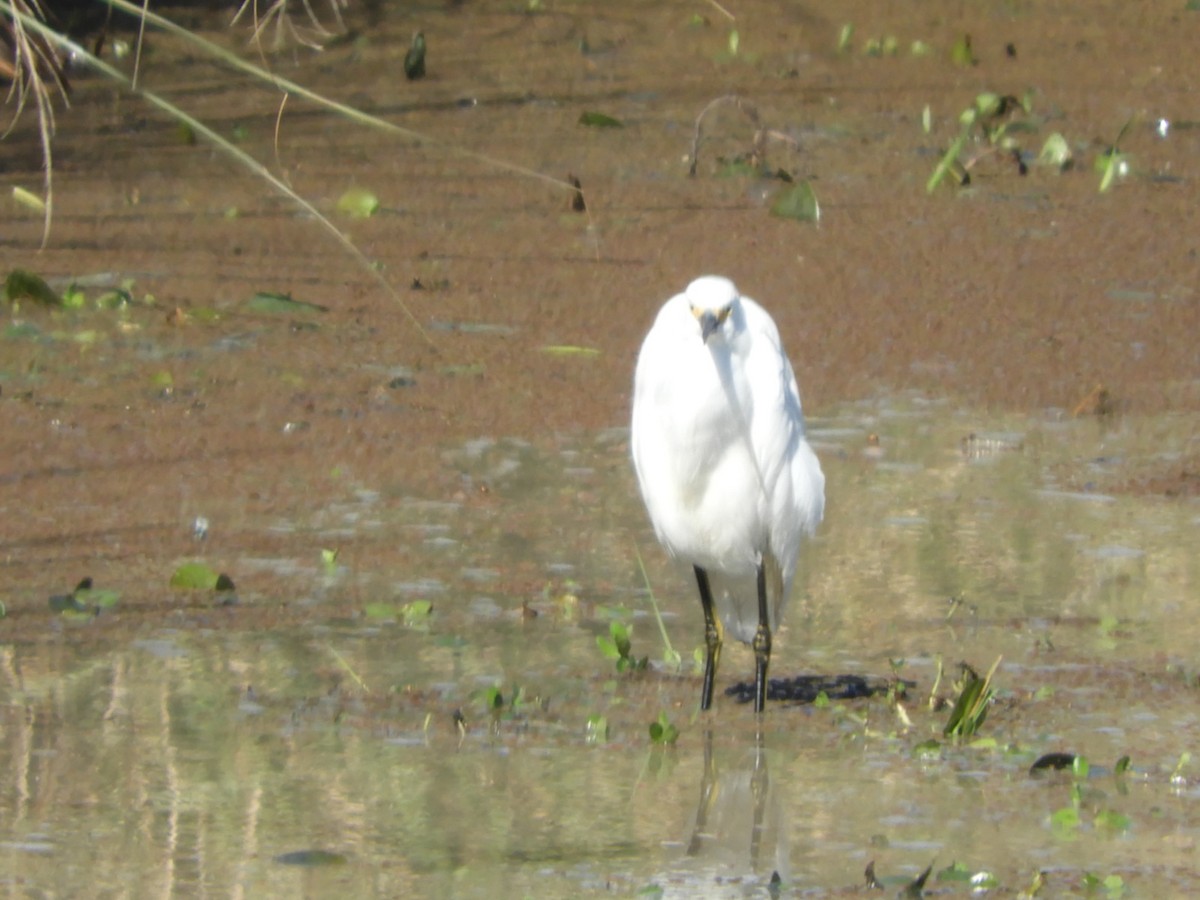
(762, 643)
(712, 638)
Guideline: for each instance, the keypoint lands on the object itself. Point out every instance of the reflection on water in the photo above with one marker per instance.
(186, 760)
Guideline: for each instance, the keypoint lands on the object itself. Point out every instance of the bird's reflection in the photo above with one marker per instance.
(739, 833)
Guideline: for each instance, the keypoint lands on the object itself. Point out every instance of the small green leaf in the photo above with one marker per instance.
(96, 598)
(117, 298)
(329, 560)
(1122, 765)
(961, 53)
(949, 161)
(955, 872)
(599, 120)
(381, 609)
(734, 41)
(194, 576)
(607, 647)
(28, 199)
(597, 729)
(282, 304)
(1111, 820)
(928, 750)
(1065, 819)
(797, 202)
(357, 203)
(845, 37)
(74, 298)
(417, 612)
(662, 731)
(1080, 767)
(988, 104)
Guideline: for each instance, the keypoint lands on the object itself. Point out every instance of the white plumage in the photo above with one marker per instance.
(729, 480)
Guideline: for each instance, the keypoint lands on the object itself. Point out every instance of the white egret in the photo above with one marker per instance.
(729, 480)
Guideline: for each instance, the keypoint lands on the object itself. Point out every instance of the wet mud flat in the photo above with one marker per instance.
(480, 465)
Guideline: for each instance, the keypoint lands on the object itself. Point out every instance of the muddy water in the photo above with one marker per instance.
(176, 744)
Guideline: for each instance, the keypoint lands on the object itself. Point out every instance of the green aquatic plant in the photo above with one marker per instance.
(662, 732)
(617, 646)
(592, 119)
(194, 576)
(596, 729)
(971, 706)
(1112, 162)
(357, 203)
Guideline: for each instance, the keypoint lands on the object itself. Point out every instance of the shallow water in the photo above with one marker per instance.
(1022, 353)
(195, 754)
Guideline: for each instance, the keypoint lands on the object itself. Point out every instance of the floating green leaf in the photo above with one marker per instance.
(1065, 820)
(961, 53)
(381, 610)
(1111, 820)
(845, 37)
(357, 203)
(662, 731)
(599, 120)
(797, 201)
(597, 729)
(417, 612)
(97, 598)
(194, 576)
(618, 646)
(282, 304)
(1080, 767)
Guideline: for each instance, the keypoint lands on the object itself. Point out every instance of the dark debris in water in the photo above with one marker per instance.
(1052, 761)
(806, 688)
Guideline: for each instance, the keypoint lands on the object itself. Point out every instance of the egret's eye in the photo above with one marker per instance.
(720, 315)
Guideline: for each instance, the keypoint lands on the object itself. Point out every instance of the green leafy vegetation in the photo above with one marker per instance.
(662, 732)
(85, 601)
(971, 707)
(357, 203)
(797, 201)
(194, 576)
(599, 120)
(617, 646)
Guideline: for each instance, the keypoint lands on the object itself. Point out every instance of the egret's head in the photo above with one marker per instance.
(713, 301)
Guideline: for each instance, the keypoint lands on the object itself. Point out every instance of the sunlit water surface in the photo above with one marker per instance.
(191, 761)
